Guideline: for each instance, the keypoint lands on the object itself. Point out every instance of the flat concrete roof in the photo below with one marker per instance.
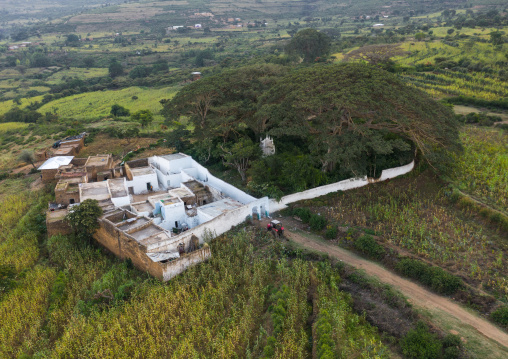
(132, 223)
(215, 209)
(162, 256)
(181, 192)
(117, 187)
(195, 186)
(174, 156)
(97, 160)
(55, 162)
(154, 239)
(144, 196)
(143, 207)
(165, 199)
(142, 171)
(94, 189)
(146, 232)
(57, 215)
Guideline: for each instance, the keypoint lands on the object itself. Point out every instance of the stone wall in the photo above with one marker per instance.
(125, 246)
(175, 267)
(49, 175)
(56, 224)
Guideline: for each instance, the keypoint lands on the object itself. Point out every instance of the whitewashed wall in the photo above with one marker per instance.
(397, 171)
(337, 186)
(121, 201)
(139, 183)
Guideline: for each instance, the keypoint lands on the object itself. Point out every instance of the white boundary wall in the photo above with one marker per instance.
(338, 186)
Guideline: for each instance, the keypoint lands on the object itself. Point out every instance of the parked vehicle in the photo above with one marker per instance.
(276, 228)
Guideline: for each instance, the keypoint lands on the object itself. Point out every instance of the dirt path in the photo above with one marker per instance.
(418, 296)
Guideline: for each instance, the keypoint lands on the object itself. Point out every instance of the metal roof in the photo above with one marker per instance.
(55, 162)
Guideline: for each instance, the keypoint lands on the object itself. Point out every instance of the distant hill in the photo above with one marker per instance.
(25, 11)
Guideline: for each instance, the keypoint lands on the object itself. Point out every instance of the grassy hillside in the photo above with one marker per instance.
(98, 104)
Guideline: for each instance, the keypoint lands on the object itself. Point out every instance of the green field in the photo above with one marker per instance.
(75, 72)
(7, 105)
(98, 104)
(10, 126)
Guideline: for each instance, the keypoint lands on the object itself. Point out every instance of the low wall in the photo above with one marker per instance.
(338, 186)
(124, 246)
(57, 226)
(173, 268)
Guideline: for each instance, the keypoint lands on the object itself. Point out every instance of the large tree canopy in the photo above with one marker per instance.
(224, 105)
(309, 44)
(346, 119)
(354, 112)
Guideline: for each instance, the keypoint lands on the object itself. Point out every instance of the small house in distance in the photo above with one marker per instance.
(196, 76)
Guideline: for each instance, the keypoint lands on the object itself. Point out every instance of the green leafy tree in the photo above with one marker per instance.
(350, 113)
(83, 219)
(420, 36)
(139, 72)
(496, 38)
(115, 69)
(309, 44)
(40, 60)
(72, 40)
(89, 61)
(239, 155)
(27, 156)
(118, 111)
(144, 117)
(223, 105)
(178, 138)
(419, 343)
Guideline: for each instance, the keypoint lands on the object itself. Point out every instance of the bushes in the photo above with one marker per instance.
(303, 213)
(419, 343)
(368, 245)
(500, 316)
(331, 232)
(317, 222)
(434, 277)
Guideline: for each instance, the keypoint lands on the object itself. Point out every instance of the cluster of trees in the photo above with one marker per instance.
(490, 18)
(328, 121)
(141, 71)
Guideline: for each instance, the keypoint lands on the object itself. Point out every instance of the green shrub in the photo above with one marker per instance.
(331, 232)
(438, 279)
(500, 316)
(58, 291)
(419, 343)
(304, 214)
(411, 268)
(452, 346)
(368, 245)
(317, 222)
(444, 282)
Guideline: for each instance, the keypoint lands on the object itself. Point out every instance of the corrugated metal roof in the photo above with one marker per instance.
(55, 162)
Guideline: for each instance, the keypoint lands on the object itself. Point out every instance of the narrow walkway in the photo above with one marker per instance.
(417, 295)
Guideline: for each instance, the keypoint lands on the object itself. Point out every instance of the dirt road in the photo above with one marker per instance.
(418, 296)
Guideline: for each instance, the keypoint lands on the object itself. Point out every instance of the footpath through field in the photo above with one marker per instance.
(417, 295)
